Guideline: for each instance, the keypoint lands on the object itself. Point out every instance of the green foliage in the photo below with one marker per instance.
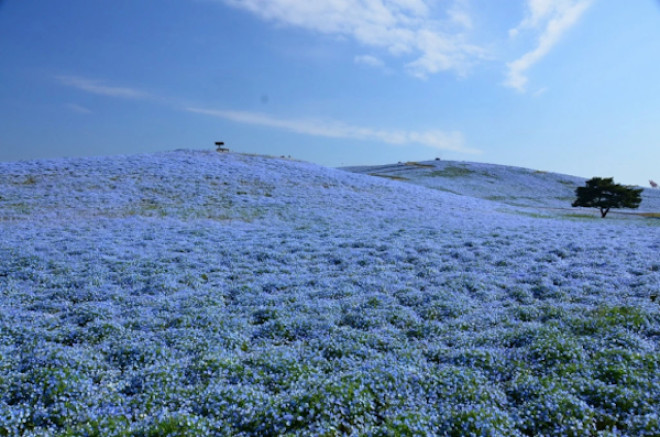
(174, 426)
(451, 171)
(604, 194)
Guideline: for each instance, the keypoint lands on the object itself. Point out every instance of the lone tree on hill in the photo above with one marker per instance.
(603, 193)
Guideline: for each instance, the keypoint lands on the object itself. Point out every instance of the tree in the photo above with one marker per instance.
(604, 194)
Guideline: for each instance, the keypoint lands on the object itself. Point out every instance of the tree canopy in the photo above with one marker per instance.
(604, 194)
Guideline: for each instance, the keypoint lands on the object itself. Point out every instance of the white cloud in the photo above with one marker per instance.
(369, 60)
(458, 14)
(333, 129)
(440, 54)
(399, 27)
(552, 18)
(97, 87)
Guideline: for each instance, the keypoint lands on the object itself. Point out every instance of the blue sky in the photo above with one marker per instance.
(571, 86)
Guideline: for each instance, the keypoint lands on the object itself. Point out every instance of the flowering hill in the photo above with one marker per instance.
(506, 184)
(197, 293)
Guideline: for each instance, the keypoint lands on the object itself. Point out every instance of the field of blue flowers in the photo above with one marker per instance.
(195, 293)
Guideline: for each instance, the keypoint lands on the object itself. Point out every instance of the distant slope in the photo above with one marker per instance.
(506, 184)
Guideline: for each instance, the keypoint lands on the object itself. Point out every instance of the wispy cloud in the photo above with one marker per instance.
(334, 129)
(78, 108)
(437, 139)
(551, 19)
(435, 38)
(98, 87)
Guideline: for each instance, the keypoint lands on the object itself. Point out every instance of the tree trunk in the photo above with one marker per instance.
(603, 212)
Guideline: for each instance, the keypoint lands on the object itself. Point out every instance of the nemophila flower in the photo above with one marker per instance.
(191, 293)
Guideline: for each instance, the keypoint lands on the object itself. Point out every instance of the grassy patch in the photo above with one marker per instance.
(451, 172)
(581, 216)
(387, 176)
(417, 164)
(30, 180)
(446, 190)
(533, 214)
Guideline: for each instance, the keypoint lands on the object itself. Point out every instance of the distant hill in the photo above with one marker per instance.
(515, 186)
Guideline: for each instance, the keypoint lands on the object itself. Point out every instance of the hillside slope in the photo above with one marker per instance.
(196, 293)
(506, 184)
(205, 185)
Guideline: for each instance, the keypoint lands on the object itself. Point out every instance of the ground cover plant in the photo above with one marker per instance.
(196, 293)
